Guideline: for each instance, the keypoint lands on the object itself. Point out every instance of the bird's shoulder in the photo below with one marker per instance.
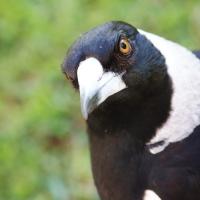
(176, 171)
(182, 153)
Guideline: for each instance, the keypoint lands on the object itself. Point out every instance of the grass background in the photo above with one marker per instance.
(43, 146)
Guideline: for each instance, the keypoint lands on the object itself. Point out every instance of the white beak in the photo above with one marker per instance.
(95, 85)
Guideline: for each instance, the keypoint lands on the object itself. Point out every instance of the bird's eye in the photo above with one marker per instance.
(125, 47)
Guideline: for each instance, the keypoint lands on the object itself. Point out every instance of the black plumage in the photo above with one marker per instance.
(121, 126)
(197, 53)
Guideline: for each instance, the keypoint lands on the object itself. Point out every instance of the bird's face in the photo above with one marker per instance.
(114, 68)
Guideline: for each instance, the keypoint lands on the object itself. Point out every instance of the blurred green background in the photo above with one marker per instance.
(43, 146)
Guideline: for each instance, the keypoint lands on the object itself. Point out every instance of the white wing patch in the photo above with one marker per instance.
(150, 195)
(184, 70)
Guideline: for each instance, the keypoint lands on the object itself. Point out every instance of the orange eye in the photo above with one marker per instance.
(124, 46)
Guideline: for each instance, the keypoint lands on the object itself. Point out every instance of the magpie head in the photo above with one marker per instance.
(115, 68)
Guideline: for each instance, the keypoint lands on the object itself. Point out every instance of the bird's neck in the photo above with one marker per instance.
(184, 70)
(118, 163)
(138, 115)
(118, 133)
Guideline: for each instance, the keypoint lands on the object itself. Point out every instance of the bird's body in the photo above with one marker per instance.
(122, 170)
(142, 108)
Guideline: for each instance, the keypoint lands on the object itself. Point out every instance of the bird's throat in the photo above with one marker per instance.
(117, 163)
(118, 132)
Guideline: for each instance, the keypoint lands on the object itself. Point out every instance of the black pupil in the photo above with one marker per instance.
(123, 45)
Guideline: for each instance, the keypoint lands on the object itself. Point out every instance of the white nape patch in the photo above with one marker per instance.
(150, 195)
(96, 85)
(184, 70)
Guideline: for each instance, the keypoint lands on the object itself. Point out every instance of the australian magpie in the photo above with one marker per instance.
(140, 97)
